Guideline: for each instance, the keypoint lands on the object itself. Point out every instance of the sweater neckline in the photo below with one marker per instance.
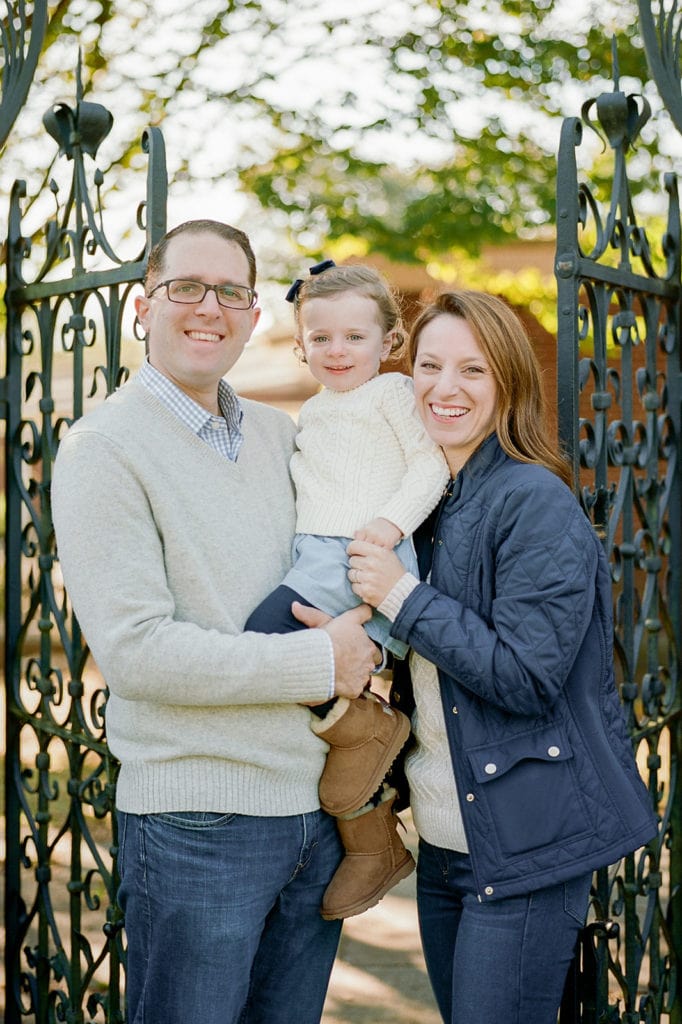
(359, 387)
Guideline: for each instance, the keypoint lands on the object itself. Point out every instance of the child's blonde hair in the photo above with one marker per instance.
(333, 280)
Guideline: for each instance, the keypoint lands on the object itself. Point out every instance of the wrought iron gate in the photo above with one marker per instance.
(619, 416)
(619, 405)
(67, 291)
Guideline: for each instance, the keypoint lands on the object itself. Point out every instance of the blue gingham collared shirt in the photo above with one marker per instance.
(222, 432)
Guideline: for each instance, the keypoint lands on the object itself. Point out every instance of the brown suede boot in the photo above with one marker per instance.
(376, 859)
(365, 737)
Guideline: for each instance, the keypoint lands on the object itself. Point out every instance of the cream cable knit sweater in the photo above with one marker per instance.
(433, 792)
(362, 454)
(428, 766)
(165, 548)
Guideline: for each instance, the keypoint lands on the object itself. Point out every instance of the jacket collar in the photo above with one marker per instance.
(487, 457)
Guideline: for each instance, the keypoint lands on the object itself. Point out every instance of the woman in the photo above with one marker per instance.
(522, 779)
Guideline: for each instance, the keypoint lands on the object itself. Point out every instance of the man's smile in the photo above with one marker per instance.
(204, 336)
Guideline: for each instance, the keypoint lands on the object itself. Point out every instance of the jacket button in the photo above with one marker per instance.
(490, 769)
(553, 751)
(489, 890)
(455, 710)
(470, 797)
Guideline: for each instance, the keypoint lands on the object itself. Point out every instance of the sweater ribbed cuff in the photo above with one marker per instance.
(393, 602)
(333, 667)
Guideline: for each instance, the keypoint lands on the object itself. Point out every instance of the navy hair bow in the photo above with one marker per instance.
(317, 269)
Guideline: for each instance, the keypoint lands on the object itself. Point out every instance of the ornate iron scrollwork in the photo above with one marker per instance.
(22, 32)
(619, 402)
(661, 27)
(66, 296)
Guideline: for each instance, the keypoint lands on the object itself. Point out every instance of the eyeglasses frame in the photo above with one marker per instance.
(207, 288)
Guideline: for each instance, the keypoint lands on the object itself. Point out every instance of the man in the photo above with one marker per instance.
(174, 515)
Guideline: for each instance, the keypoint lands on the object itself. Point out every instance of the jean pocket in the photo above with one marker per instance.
(576, 897)
(193, 820)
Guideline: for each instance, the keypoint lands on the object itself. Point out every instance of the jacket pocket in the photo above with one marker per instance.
(529, 785)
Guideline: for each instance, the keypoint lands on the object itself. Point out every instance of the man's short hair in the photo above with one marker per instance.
(157, 256)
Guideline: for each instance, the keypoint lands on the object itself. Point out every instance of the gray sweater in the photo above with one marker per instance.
(165, 548)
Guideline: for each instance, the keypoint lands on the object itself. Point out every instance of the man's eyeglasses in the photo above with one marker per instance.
(233, 296)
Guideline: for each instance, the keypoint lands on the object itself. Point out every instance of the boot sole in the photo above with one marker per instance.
(375, 780)
(403, 870)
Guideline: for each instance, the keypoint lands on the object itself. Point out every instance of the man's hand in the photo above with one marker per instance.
(380, 531)
(355, 655)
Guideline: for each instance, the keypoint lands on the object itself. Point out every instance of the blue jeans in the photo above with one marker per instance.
(222, 916)
(503, 960)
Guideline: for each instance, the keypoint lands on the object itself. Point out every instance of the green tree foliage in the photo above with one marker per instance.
(409, 127)
(489, 84)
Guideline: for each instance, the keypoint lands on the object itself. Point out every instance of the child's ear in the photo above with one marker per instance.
(299, 351)
(387, 345)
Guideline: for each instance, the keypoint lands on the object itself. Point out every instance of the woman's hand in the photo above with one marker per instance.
(374, 571)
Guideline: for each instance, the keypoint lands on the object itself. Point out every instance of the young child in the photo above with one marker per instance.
(364, 461)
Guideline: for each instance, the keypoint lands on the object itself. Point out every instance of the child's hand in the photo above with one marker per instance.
(380, 531)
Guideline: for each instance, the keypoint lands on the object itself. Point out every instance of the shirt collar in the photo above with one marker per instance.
(194, 415)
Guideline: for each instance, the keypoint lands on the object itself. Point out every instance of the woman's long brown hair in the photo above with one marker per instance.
(521, 416)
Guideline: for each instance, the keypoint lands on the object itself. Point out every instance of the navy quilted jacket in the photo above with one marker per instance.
(517, 619)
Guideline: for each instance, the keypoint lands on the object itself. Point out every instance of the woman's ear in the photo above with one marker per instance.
(299, 351)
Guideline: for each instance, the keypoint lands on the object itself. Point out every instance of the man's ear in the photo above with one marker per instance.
(142, 310)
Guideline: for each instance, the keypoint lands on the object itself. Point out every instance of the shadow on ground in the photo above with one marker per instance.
(379, 976)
